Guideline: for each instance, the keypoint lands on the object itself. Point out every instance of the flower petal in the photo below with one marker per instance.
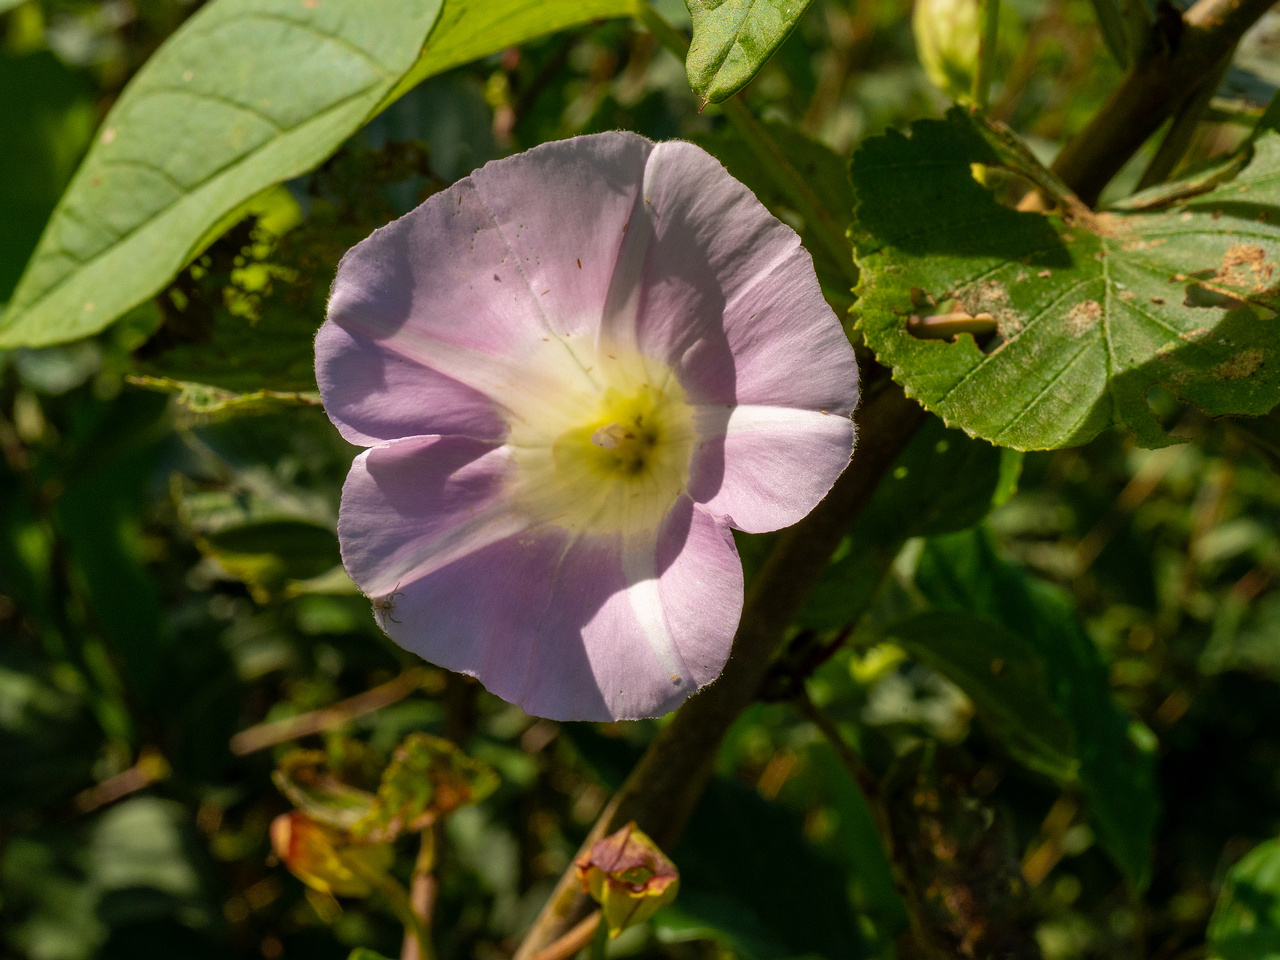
(764, 468)
(415, 505)
(474, 280)
(585, 629)
(440, 287)
(372, 393)
(729, 297)
(568, 243)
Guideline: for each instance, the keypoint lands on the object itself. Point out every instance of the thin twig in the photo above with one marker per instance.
(1186, 120)
(150, 768)
(422, 897)
(1152, 90)
(986, 52)
(571, 942)
(326, 718)
(666, 784)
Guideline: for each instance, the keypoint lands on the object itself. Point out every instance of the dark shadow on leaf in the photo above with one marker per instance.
(918, 194)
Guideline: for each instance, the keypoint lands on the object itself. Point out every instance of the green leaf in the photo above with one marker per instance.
(1246, 922)
(1003, 676)
(246, 94)
(942, 482)
(1092, 311)
(732, 39)
(200, 398)
(428, 778)
(305, 777)
(1117, 768)
(1111, 23)
(824, 171)
(364, 953)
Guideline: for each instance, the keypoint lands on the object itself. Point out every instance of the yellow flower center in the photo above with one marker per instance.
(606, 446)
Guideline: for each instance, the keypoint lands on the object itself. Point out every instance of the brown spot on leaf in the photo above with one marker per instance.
(990, 296)
(1083, 317)
(1192, 336)
(1240, 365)
(1246, 265)
(1128, 295)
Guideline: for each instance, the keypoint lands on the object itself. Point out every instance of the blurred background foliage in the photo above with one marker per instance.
(169, 577)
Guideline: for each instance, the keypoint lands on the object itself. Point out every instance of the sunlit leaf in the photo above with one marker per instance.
(1246, 922)
(246, 94)
(305, 777)
(428, 778)
(1092, 310)
(732, 39)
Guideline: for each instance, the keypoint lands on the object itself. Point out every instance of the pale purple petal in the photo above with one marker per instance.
(441, 288)
(729, 296)
(415, 505)
(567, 242)
(587, 629)
(372, 393)
(764, 468)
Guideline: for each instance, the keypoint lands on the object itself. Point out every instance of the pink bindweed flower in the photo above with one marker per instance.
(575, 370)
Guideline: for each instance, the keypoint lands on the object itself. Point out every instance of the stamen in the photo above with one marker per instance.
(611, 437)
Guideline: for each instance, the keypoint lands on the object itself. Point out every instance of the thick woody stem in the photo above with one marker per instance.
(1152, 90)
(665, 785)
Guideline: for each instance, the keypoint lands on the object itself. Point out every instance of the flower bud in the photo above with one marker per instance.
(946, 33)
(629, 877)
(324, 859)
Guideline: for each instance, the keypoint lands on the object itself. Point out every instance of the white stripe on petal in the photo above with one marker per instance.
(639, 568)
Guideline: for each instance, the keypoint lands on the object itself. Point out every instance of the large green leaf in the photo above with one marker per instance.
(1092, 310)
(1001, 673)
(1117, 768)
(732, 39)
(1246, 922)
(245, 94)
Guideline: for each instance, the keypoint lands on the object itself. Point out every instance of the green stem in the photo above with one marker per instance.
(1186, 120)
(599, 942)
(397, 898)
(986, 53)
(783, 173)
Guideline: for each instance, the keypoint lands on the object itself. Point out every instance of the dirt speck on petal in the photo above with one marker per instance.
(1240, 365)
(1083, 317)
